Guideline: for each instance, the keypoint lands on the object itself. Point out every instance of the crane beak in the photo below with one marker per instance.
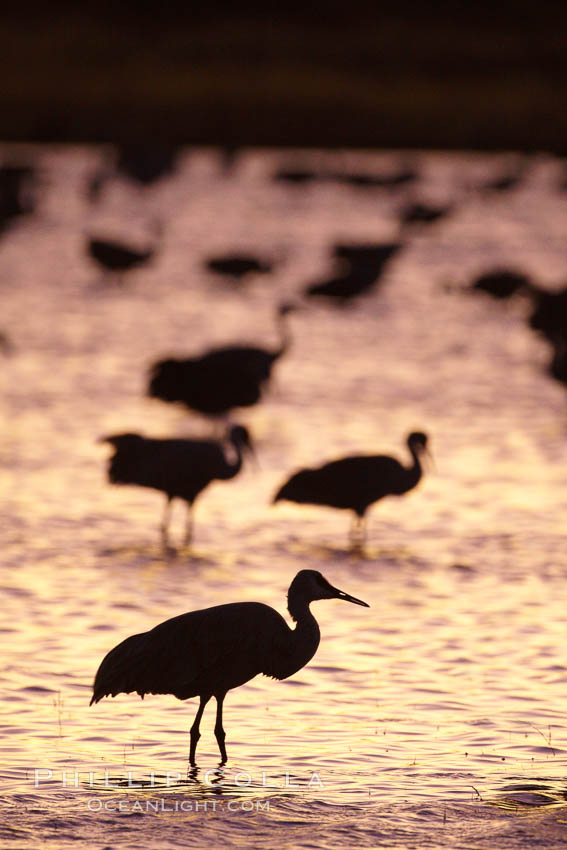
(430, 460)
(253, 456)
(340, 594)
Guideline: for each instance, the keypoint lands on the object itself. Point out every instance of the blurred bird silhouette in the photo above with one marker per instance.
(238, 266)
(549, 314)
(220, 379)
(298, 176)
(502, 283)
(558, 365)
(361, 267)
(393, 181)
(179, 468)
(507, 180)
(147, 164)
(355, 483)
(549, 318)
(206, 653)
(17, 184)
(117, 258)
(140, 164)
(420, 213)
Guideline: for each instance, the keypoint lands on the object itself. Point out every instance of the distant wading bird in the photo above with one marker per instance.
(421, 213)
(179, 468)
(507, 180)
(220, 379)
(147, 164)
(503, 283)
(17, 190)
(395, 180)
(143, 165)
(359, 269)
(355, 483)
(117, 258)
(207, 653)
(237, 266)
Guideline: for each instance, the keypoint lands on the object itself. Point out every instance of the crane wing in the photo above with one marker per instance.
(207, 651)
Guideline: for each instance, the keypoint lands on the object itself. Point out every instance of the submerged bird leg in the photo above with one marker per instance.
(219, 731)
(194, 733)
(220, 424)
(165, 521)
(357, 533)
(188, 526)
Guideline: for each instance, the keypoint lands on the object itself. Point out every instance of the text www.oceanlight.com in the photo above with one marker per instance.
(217, 781)
(164, 806)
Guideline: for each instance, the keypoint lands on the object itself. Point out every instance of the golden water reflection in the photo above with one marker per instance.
(455, 678)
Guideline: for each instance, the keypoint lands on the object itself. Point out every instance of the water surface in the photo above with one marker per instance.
(434, 718)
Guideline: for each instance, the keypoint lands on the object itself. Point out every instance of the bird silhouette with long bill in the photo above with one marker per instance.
(220, 379)
(179, 468)
(355, 483)
(209, 652)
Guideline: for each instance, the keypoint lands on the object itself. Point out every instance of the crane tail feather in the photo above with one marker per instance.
(122, 670)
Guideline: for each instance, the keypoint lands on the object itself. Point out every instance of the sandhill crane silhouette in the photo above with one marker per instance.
(298, 176)
(141, 164)
(421, 213)
(355, 483)
(220, 379)
(179, 468)
(361, 266)
(393, 181)
(206, 653)
(549, 318)
(503, 283)
(147, 164)
(117, 258)
(558, 365)
(16, 199)
(549, 314)
(238, 266)
(507, 180)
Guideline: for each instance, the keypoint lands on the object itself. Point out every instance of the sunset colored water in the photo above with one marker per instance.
(435, 718)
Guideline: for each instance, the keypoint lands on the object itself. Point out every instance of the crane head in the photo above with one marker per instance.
(117, 440)
(417, 442)
(239, 436)
(312, 585)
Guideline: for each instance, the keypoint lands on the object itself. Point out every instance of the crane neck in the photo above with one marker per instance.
(298, 607)
(415, 471)
(232, 469)
(306, 635)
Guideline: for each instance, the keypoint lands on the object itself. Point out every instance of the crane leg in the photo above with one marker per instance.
(219, 731)
(165, 522)
(362, 526)
(358, 532)
(188, 526)
(194, 733)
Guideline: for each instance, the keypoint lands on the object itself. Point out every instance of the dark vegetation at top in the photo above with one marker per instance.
(405, 74)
